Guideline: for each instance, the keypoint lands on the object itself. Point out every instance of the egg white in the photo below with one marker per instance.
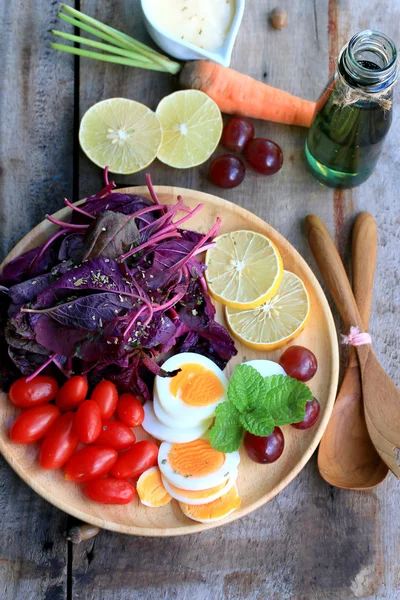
(173, 405)
(227, 470)
(197, 501)
(266, 368)
(177, 422)
(167, 434)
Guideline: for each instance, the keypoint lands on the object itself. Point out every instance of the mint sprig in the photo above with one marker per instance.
(227, 432)
(257, 404)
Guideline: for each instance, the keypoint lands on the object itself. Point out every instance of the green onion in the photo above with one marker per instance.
(106, 57)
(91, 30)
(101, 46)
(136, 53)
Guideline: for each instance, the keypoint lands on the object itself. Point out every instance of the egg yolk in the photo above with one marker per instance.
(213, 510)
(197, 386)
(195, 459)
(151, 490)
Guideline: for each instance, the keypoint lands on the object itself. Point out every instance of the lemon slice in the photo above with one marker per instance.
(192, 125)
(120, 133)
(275, 323)
(244, 269)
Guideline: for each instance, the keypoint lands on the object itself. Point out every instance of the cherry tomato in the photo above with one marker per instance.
(90, 463)
(227, 171)
(312, 413)
(299, 362)
(60, 442)
(88, 421)
(106, 395)
(237, 132)
(40, 390)
(264, 156)
(72, 393)
(130, 411)
(136, 461)
(115, 435)
(265, 449)
(110, 491)
(33, 424)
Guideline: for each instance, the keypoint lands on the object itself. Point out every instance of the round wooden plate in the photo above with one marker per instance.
(257, 484)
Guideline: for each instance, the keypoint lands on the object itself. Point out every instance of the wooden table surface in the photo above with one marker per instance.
(312, 542)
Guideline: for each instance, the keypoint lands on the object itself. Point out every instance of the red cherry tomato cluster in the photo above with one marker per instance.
(264, 156)
(91, 438)
(299, 363)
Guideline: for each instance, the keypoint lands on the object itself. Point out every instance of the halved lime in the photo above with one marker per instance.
(192, 125)
(120, 133)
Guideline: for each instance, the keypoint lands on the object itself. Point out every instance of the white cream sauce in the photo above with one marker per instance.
(204, 23)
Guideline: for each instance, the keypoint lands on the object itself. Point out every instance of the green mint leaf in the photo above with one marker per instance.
(286, 399)
(258, 421)
(227, 433)
(246, 388)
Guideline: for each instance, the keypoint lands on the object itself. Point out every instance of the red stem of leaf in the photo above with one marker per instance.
(106, 182)
(153, 240)
(58, 365)
(71, 226)
(168, 305)
(151, 189)
(44, 248)
(40, 369)
(106, 190)
(212, 232)
(183, 219)
(77, 209)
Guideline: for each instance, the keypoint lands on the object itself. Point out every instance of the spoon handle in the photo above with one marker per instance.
(332, 270)
(364, 248)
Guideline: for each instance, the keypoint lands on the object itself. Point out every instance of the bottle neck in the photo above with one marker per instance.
(369, 62)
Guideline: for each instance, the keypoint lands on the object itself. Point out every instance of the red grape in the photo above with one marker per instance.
(299, 362)
(264, 156)
(312, 413)
(227, 171)
(237, 132)
(265, 449)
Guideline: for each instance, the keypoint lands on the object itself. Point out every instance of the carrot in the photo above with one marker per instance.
(239, 94)
(233, 92)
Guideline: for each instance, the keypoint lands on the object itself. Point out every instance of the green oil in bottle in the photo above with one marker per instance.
(354, 113)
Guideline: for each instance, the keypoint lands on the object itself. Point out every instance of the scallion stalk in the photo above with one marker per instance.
(167, 64)
(101, 46)
(106, 57)
(92, 31)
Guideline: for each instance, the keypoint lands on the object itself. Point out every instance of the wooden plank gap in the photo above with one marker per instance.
(75, 150)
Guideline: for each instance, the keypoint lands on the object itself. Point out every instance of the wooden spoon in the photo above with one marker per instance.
(381, 396)
(347, 458)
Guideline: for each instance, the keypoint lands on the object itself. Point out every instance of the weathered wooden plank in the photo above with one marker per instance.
(33, 552)
(312, 542)
(36, 119)
(36, 122)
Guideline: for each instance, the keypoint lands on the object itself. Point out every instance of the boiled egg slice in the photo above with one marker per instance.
(195, 391)
(213, 511)
(177, 422)
(196, 465)
(201, 496)
(168, 434)
(266, 368)
(151, 490)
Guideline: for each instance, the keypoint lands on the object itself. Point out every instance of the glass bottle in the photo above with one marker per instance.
(354, 113)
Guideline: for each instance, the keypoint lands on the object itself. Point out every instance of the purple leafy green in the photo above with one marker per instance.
(109, 294)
